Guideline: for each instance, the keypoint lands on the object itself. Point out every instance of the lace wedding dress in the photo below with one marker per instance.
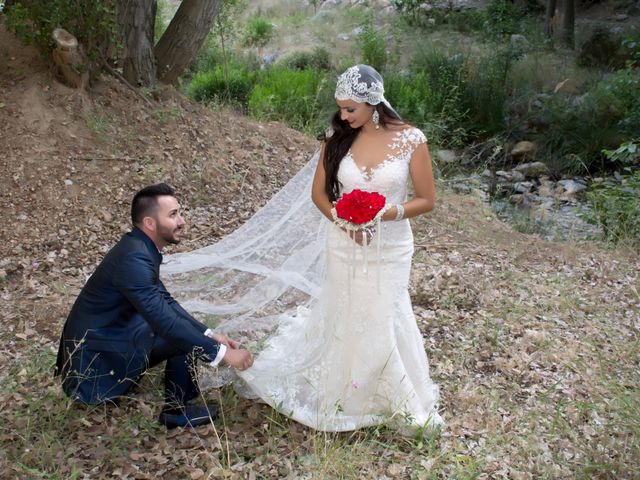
(356, 358)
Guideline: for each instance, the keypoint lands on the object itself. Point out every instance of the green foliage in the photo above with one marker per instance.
(160, 25)
(502, 17)
(232, 85)
(296, 97)
(319, 58)
(599, 49)
(258, 32)
(410, 10)
(616, 208)
(208, 57)
(631, 48)
(487, 89)
(92, 23)
(454, 98)
(575, 131)
(373, 48)
(619, 95)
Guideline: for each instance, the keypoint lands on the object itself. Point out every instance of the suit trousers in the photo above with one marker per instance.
(180, 379)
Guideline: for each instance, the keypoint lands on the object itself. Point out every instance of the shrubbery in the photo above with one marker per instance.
(297, 97)
(232, 85)
(258, 32)
(92, 23)
(616, 208)
(373, 47)
(318, 58)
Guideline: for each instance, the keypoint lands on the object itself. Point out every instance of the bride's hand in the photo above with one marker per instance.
(360, 235)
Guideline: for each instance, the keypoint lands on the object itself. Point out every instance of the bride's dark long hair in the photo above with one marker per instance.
(338, 143)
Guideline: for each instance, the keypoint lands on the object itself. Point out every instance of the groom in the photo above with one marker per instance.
(124, 321)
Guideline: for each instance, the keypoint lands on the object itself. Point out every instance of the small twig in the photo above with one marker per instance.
(102, 159)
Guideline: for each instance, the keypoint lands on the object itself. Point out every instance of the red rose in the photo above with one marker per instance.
(359, 206)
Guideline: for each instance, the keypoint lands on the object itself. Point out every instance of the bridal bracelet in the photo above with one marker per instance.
(400, 212)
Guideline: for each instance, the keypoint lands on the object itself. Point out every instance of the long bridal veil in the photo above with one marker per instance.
(269, 267)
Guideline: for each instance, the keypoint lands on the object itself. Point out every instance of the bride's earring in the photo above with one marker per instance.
(375, 118)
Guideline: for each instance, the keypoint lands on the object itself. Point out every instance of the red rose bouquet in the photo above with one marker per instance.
(359, 210)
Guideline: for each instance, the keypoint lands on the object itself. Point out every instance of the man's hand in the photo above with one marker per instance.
(224, 340)
(238, 358)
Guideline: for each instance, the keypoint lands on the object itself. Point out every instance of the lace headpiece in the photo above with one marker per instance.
(362, 84)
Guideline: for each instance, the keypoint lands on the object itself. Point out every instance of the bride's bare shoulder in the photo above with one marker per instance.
(400, 127)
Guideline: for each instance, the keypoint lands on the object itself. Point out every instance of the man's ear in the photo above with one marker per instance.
(149, 223)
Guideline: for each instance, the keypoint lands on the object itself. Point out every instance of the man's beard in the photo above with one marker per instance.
(169, 236)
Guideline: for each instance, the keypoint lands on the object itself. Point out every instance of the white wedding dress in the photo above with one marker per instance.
(355, 357)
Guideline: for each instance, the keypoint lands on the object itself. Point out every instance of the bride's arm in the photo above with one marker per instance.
(318, 192)
(424, 187)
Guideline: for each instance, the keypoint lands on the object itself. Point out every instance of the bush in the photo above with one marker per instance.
(431, 96)
(208, 57)
(502, 17)
(258, 32)
(616, 208)
(232, 86)
(92, 23)
(599, 50)
(373, 48)
(487, 90)
(620, 94)
(300, 98)
(318, 59)
(574, 132)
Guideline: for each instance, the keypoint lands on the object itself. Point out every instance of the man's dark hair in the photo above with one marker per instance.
(146, 201)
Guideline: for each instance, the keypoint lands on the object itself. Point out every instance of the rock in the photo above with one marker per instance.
(546, 188)
(517, 176)
(519, 41)
(106, 215)
(523, 149)
(572, 186)
(446, 156)
(516, 199)
(487, 173)
(343, 36)
(620, 17)
(523, 187)
(532, 169)
(506, 175)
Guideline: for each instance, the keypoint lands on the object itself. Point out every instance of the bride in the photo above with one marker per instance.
(346, 352)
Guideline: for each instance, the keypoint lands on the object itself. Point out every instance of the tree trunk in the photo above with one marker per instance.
(136, 19)
(548, 17)
(568, 23)
(184, 36)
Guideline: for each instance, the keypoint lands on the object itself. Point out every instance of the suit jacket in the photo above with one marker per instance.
(109, 334)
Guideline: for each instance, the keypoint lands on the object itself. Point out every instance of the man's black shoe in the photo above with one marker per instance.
(188, 416)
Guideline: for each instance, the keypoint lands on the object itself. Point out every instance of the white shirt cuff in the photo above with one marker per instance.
(222, 349)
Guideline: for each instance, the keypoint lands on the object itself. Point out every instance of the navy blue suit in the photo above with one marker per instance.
(123, 322)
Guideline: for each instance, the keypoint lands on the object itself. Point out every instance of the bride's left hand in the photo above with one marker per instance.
(360, 235)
